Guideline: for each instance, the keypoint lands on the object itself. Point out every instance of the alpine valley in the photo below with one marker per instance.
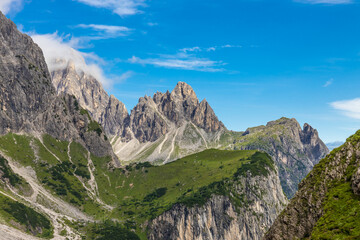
(75, 164)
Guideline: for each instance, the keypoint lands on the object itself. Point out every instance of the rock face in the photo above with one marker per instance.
(168, 126)
(114, 117)
(294, 150)
(327, 202)
(220, 218)
(108, 111)
(175, 124)
(87, 90)
(153, 117)
(165, 122)
(28, 100)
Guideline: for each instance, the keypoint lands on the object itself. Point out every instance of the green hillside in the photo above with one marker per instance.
(135, 193)
(22, 217)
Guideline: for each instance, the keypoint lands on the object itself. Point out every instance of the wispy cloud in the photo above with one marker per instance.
(209, 49)
(7, 6)
(106, 31)
(60, 50)
(120, 7)
(181, 61)
(350, 108)
(328, 83)
(152, 24)
(123, 77)
(331, 2)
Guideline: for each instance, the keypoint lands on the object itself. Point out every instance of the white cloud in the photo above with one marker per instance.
(192, 49)
(328, 83)
(106, 31)
(59, 51)
(120, 7)
(208, 49)
(181, 61)
(10, 5)
(126, 75)
(350, 108)
(332, 2)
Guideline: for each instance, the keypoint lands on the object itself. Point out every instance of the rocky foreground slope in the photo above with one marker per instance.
(327, 204)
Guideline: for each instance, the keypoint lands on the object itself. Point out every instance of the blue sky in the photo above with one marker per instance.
(253, 60)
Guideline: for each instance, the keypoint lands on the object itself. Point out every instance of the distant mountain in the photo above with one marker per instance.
(168, 126)
(159, 129)
(295, 150)
(105, 109)
(333, 145)
(171, 125)
(327, 204)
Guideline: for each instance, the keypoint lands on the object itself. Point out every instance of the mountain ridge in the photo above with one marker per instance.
(327, 202)
(167, 126)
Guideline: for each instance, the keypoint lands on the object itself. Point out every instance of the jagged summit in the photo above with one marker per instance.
(184, 91)
(154, 117)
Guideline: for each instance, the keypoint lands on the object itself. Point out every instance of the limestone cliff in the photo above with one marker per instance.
(221, 217)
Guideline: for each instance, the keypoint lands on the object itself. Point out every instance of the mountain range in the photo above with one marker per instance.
(171, 125)
(80, 166)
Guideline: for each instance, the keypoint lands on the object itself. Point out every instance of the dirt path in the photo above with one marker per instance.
(93, 184)
(42, 142)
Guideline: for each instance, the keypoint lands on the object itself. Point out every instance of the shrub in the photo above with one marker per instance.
(158, 193)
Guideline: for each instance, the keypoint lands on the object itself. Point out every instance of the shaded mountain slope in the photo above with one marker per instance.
(327, 204)
(28, 100)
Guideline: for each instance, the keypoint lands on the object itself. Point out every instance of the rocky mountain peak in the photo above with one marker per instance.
(71, 66)
(184, 91)
(114, 116)
(154, 116)
(28, 99)
(284, 121)
(295, 150)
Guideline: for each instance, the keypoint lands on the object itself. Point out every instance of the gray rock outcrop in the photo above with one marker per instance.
(220, 218)
(295, 150)
(89, 92)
